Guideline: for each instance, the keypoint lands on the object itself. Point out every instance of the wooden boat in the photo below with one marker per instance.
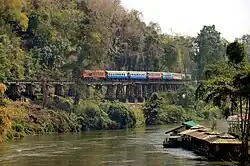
(204, 141)
(173, 141)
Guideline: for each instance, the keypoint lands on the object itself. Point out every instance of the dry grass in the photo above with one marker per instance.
(8, 113)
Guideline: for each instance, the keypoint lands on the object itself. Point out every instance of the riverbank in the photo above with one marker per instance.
(18, 119)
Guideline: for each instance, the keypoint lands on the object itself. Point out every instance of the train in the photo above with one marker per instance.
(132, 75)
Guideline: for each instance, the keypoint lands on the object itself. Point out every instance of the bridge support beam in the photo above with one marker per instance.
(120, 93)
(59, 91)
(133, 92)
(98, 91)
(110, 93)
(87, 91)
(46, 92)
(30, 91)
(130, 93)
(71, 91)
(157, 88)
(169, 87)
(139, 93)
(151, 90)
(14, 92)
(165, 88)
(144, 91)
(161, 87)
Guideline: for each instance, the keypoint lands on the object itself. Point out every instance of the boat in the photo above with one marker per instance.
(205, 142)
(173, 141)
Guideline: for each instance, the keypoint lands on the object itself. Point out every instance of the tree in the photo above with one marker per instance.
(11, 11)
(227, 86)
(208, 48)
(152, 49)
(152, 109)
(246, 40)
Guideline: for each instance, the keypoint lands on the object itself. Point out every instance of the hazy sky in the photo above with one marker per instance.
(230, 17)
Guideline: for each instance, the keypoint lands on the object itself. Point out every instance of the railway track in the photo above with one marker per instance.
(102, 82)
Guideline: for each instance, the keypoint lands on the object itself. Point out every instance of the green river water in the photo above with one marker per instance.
(138, 147)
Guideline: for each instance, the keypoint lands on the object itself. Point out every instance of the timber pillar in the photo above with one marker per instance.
(14, 91)
(120, 93)
(46, 92)
(71, 91)
(165, 87)
(30, 91)
(98, 90)
(144, 91)
(87, 91)
(59, 90)
(110, 93)
(139, 93)
(151, 89)
(130, 93)
(169, 87)
(45, 88)
(157, 88)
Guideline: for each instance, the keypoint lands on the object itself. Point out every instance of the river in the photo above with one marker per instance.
(138, 147)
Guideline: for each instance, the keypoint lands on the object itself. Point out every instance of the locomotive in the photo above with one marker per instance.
(132, 75)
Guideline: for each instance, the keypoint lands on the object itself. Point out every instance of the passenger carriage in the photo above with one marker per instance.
(167, 76)
(177, 76)
(137, 75)
(119, 75)
(154, 75)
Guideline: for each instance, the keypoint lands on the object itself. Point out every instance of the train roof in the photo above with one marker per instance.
(113, 71)
(144, 72)
(154, 72)
(167, 73)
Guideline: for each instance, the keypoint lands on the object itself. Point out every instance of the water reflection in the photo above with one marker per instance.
(139, 147)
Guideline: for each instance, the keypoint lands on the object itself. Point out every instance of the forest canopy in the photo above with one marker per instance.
(56, 39)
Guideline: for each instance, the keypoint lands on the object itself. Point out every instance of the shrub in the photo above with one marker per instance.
(122, 115)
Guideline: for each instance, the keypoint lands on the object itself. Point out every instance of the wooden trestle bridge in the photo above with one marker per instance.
(122, 90)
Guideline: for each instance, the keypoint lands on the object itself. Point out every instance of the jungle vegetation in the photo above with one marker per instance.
(51, 39)
(56, 39)
(227, 86)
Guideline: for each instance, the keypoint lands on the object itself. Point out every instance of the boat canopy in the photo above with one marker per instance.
(189, 123)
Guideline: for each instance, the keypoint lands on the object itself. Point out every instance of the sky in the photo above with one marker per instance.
(187, 17)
